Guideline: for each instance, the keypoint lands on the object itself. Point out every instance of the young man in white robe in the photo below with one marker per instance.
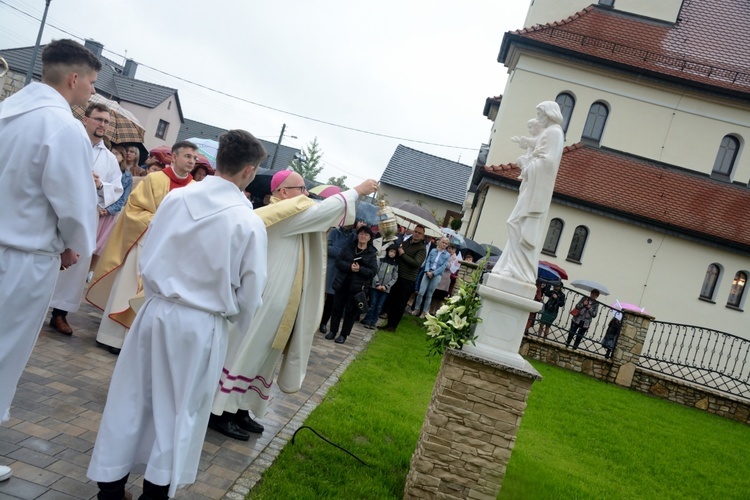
(107, 177)
(160, 396)
(47, 195)
(292, 302)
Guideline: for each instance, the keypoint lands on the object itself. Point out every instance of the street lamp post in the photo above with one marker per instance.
(30, 71)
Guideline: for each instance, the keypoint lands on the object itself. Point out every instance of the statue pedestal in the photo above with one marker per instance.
(506, 304)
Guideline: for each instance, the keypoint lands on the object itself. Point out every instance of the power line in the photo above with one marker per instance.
(248, 101)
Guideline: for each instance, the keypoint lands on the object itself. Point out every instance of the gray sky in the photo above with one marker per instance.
(411, 69)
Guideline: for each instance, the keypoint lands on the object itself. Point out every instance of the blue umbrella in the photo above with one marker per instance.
(546, 273)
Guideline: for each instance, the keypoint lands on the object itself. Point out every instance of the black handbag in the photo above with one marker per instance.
(360, 299)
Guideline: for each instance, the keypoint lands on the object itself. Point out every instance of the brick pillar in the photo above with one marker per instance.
(629, 346)
(470, 428)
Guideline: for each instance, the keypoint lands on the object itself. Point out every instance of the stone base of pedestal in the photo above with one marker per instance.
(506, 304)
(470, 428)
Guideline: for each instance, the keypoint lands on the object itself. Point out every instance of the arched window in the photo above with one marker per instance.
(726, 156)
(595, 121)
(580, 235)
(737, 290)
(708, 289)
(553, 236)
(566, 102)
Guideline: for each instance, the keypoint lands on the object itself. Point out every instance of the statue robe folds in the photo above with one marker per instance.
(526, 224)
(292, 303)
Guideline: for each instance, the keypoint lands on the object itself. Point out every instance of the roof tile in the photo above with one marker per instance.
(708, 44)
(427, 174)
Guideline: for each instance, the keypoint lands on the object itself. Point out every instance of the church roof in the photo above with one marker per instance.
(708, 45)
(427, 174)
(649, 192)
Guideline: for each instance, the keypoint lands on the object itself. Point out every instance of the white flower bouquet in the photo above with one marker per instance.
(452, 325)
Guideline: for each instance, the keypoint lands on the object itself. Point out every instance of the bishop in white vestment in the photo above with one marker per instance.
(292, 299)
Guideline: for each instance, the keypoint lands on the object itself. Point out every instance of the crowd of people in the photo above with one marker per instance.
(411, 274)
(76, 211)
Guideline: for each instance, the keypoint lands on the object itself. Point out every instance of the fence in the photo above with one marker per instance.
(705, 357)
(560, 328)
(701, 356)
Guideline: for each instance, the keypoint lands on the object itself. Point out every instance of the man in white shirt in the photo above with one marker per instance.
(160, 396)
(107, 178)
(47, 217)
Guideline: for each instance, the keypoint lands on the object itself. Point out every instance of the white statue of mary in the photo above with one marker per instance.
(526, 228)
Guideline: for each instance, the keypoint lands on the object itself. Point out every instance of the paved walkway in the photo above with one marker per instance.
(58, 405)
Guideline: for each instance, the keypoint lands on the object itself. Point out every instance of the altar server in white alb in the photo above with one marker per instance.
(161, 391)
(107, 178)
(46, 200)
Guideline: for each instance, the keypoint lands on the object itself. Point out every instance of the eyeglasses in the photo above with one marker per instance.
(301, 188)
(103, 121)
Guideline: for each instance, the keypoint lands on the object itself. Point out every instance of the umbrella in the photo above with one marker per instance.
(325, 190)
(415, 209)
(546, 273)
(142, 151)
(409, 220)
(589, 285)
(202, 161)
(630, 307)
(124, 126)
(559, 270)
(453, 235)
(163, 154)
(367, 212)
(479, 249)
(208, 148)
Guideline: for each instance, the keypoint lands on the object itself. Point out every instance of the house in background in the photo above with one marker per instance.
(652, 195)
(437, 184)
(284, 156)
(156, 107)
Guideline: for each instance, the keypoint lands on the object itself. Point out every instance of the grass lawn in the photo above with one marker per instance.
(580, 438)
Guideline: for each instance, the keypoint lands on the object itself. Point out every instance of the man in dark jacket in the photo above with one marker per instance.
(411, 254)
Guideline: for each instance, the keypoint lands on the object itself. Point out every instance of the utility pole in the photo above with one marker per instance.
(276, 151)
(30, 71)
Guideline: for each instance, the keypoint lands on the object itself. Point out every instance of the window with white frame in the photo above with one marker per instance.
(595, 121)
(708, 290)
(738, 290)
(553, 236)
(577, 244)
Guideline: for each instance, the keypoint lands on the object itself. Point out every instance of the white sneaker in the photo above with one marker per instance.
(5, 472)
(90, 277)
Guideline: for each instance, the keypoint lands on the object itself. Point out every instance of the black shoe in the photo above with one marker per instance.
(114, 350)
(340, 339)
(331, 336)
(323, 329)
(228, 428)
(246, 423)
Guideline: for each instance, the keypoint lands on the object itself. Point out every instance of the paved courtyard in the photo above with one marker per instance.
(58, 405)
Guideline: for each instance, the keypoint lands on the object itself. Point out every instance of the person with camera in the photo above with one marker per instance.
(356, 267)
(584, 311)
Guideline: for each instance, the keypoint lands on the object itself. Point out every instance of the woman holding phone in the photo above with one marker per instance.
(356, 267)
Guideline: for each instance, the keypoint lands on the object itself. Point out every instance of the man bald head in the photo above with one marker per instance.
(291, 185)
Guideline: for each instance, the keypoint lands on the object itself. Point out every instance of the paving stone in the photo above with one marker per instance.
(58, 405)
